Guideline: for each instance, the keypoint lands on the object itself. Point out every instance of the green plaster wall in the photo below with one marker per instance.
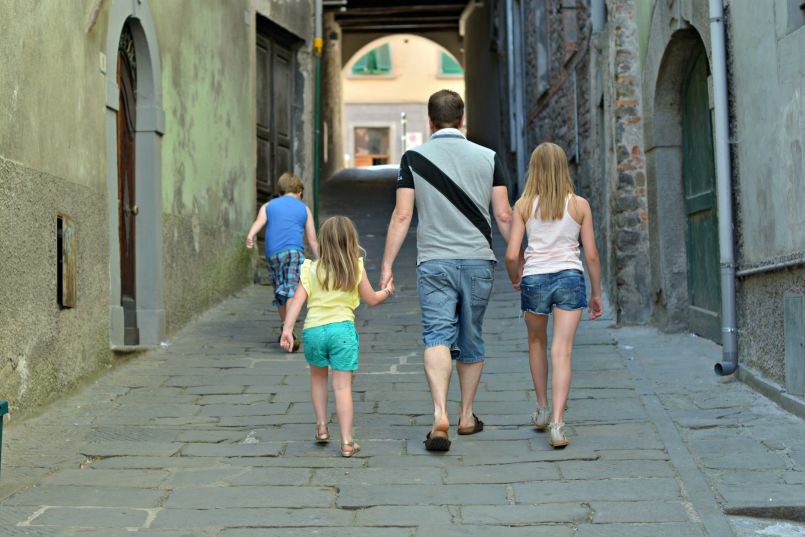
(52, 91)
(207, 152)
(207, 149)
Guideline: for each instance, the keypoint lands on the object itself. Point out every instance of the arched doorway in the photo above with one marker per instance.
(135, 123)
(683, 222)
(698, 175)
(127, 209)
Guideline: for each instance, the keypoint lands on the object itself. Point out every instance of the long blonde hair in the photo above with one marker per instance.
(338, 267)
(549, 180)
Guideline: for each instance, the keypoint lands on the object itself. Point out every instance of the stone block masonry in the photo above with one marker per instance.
(214, 435)
(630, 204)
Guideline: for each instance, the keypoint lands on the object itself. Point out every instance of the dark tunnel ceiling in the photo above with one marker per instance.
(397, 16)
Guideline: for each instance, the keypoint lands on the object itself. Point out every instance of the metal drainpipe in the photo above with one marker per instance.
(729, 362)
(318, 46)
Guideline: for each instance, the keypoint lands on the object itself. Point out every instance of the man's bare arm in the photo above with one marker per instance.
(397, 231)
(502, 210)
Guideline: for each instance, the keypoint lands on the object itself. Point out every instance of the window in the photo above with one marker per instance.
(371, 146)
(448, 66)
(375, 62)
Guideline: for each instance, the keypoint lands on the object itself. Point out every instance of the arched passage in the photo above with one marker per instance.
(136, 313)
(357, 42)
(386, 86)
(681, 190)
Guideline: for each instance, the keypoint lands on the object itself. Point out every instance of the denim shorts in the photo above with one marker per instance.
(334, 345)
(540, 293)
(453, 295)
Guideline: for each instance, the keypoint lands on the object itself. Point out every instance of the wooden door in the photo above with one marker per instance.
(282, 78)
(698, 169)
(275, 96)
(126, 200)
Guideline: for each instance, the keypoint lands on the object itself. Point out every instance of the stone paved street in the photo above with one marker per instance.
(213, 436)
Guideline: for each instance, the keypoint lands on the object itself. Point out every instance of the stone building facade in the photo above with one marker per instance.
(148, 256)
(582, 92)
(642, 108)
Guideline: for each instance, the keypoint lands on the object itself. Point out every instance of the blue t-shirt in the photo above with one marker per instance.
(286, 224)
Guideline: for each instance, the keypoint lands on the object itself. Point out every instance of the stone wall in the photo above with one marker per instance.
(583, 93)
(629, 205)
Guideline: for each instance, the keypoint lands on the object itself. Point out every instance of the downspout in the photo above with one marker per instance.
(729, 360)
(318, 46)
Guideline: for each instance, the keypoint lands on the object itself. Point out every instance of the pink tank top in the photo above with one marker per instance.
(553, 246)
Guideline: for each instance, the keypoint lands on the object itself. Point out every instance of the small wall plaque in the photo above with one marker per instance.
(66, 261)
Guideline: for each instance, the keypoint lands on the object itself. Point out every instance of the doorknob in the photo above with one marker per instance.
(135, 210)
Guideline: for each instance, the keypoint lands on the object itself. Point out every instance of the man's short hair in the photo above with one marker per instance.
(288, 183)
(445, 109)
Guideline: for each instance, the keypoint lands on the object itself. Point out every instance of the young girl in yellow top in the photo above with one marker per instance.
(333, 287)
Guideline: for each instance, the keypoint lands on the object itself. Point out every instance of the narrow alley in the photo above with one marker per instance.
(213, 435)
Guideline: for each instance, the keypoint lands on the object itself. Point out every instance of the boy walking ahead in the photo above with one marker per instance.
(289, 221)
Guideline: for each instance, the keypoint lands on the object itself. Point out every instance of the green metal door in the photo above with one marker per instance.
(698, 170)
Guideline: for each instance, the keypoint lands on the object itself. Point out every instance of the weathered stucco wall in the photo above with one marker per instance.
(45, 350)
(52, 135)
(767, 81)
(208, 156)
(53, 159)
(51, 110)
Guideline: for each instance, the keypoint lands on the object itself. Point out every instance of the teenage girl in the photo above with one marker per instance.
(551, 279)
(333, 287)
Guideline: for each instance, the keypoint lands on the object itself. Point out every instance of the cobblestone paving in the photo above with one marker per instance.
(213, 436)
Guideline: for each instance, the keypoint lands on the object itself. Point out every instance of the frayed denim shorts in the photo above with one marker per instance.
(540, 293)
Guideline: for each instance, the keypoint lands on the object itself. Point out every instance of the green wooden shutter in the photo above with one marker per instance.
(449, 66)
(360, 66)
(375, 62)
(383, 59)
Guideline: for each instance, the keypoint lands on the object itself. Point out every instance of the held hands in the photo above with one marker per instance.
(250, 242)
(386, 279)
(596, 307)
(389, 287)
(286, 340)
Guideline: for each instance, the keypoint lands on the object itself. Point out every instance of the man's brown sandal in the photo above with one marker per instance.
(437, 441)
(476, 427)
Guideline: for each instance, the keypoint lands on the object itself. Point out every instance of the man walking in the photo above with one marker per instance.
(452, 181)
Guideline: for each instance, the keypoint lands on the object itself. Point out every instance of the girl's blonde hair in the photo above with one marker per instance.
(337, 268)
(549, 180)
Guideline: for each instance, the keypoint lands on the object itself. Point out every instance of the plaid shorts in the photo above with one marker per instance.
(284, 268)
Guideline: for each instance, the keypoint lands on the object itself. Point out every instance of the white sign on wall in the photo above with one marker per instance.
(412, 140)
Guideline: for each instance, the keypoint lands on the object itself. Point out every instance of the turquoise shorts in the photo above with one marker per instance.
(334, 345)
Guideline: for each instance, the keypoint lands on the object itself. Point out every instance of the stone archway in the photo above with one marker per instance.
(150, 126)
(361, 42)
(678, 36)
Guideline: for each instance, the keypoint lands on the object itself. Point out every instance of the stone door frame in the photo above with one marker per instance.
(679, 31)
(148, 166)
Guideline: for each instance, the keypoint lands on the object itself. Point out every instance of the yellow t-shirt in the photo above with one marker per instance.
(326, 307)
